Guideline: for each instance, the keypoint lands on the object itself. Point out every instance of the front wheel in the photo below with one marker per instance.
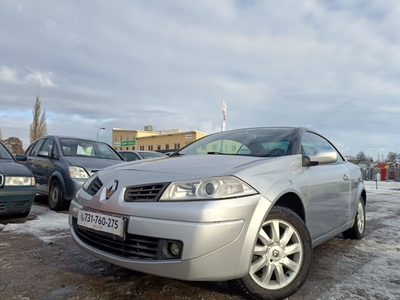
(56, 199)
(282, 257)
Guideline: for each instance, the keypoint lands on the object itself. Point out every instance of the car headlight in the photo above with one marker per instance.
(19, 181)
(207, 189)
(77, 172)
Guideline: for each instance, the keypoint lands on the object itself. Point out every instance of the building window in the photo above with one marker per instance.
(127, 137)
(214, 147)
(115, 138)
(177, 145)
(142, 148)
(166, 146)
(150, 147)
(234, 148)
(158, 147)
(120, 138)
(133, 148)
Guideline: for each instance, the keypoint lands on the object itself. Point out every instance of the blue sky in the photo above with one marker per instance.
(330, 66)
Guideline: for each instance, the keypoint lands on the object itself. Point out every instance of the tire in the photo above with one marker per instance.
(281, 261)
(357, 231)
(56, 199)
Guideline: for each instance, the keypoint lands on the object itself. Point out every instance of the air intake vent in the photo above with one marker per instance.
(150, 192)
(94, 186)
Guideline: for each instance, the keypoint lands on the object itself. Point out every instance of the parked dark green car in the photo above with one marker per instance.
(17, 186)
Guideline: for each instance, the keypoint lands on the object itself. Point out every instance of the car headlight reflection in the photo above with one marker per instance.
(77, 172)
(209, 188)
(19, 181)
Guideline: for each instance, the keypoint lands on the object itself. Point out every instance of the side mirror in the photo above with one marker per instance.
(320, 157)
(43, 153)
(20, 157)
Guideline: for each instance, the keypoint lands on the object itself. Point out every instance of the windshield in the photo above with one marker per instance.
(4, 154)
(262, 142)
(75, 147)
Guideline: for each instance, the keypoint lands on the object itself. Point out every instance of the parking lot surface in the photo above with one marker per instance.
(42, 262)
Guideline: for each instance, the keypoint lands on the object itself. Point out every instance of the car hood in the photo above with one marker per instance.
(194, 167)
(10, 167)
(191, 165)
(92, 164)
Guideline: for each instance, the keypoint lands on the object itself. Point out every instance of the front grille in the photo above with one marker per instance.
(150, 192)
(134, 246)
(3, 205)
(19, 203)
(1, 179)
(94, 186)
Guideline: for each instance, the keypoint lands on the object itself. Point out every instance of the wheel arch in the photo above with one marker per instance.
(293, 202)
(57, 176)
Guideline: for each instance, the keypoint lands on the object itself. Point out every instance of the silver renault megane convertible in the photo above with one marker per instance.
(244, 206)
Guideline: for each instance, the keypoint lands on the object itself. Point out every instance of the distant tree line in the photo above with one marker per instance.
(362, 158)
(37, 129)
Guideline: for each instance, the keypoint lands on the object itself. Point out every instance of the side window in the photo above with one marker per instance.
(36, 147)
(312, 143)
(29, 150)
(130, 156)
(48, 146)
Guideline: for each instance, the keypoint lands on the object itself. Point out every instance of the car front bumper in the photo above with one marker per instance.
(218, 236)
(15, 200)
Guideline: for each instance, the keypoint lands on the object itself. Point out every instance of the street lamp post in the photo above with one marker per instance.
(101, 128)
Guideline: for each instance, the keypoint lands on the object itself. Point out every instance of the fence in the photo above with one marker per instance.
(381, 174)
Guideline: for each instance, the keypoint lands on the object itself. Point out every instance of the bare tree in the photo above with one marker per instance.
(38, 127)
(392, 157)
(14, 144)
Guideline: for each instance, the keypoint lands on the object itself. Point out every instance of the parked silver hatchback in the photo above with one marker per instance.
(245, 206)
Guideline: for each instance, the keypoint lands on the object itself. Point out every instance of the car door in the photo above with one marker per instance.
(49, 161)
(329, 189)
(36, 164)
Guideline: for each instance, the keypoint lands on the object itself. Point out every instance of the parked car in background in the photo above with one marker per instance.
(61, 164)
(17, 186)
(131, 155)
(245, 206)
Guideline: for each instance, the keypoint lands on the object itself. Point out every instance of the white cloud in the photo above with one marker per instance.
(44, 79)
(329, 64)
(8, 75)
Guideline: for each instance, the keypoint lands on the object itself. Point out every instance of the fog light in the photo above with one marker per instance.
(174, 249)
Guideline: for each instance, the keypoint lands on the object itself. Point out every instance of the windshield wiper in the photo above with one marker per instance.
(214, 152)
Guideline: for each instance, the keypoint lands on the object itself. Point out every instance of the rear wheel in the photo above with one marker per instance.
(282, 257)
(357, 231)
(56, 199)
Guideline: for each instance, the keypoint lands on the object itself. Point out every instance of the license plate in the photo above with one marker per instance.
(101, 222)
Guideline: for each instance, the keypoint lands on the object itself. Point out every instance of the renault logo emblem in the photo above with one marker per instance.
(111, 188)
(275, 253)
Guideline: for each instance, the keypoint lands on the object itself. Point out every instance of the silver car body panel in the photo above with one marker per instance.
(219, 235)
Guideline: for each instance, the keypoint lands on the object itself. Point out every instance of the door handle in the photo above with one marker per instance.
(345, 177)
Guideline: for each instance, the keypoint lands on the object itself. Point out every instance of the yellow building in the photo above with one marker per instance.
(149, 140)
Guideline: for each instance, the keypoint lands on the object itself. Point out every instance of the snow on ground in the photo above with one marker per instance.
(47, 225)
(379, 275)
